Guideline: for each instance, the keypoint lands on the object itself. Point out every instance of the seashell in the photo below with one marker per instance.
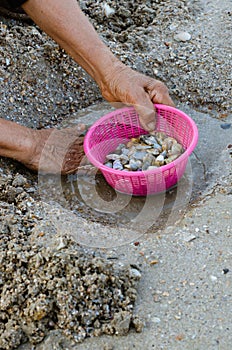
(164, 154)
(113, 156)
(146, 152)
(149, 157)
(143, 147)
(147, 161)
(117, 165)
(139, 155)
(153, 151)
(132, 142)
(124, 158)
(125, 151)
(148, 139)
(146, 165)
(171, 158)
(167, 143)
(131, 152)
(109, 164)
(135, 140)
(176, 149)
(160, 136)
(134, 164)
(143, 138)
(159, 160)
(157, 146)
(119, 149)
(152, 167)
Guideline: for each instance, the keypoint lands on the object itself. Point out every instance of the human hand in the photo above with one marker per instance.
(56, 151)
(127, 86)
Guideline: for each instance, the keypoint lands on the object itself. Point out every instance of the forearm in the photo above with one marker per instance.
(67, 25)
(15, 140)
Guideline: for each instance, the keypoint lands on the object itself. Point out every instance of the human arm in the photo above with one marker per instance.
(69, 27)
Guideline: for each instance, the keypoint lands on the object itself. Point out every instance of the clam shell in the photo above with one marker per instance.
(145, 152)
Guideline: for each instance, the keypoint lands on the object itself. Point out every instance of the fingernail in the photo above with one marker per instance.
(151, 125)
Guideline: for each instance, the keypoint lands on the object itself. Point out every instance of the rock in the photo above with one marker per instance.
(138, 324)
(11, 194)
(62, 244)
(19, 181)
(134, 273)
(121, 322)
(108, 347)
(226, 126)
(182, 36)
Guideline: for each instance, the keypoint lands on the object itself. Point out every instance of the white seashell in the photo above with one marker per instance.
(108, 10)
(160, 158)
(117, 165)
(182, 36)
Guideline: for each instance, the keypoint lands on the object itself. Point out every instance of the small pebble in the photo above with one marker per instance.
(213, 278)
(189, 238)
(225, 126)
(156, 319)
(108, 10)
(154, 262)
(138, 324)
(19, 181)
(108, 347)
(182, 36)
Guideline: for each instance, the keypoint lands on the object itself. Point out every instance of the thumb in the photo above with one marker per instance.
(147, 114)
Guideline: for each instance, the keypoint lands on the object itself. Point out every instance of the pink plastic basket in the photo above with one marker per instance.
(121, 125)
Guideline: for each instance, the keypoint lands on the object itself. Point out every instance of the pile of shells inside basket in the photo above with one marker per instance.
(145, 152)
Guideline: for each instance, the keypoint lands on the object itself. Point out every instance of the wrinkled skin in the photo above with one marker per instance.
(133, 88)
(57, 151)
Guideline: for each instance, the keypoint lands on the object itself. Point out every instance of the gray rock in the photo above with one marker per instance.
(19, 181)
(121, 322)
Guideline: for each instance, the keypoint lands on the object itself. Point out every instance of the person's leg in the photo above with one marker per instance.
(47, 150)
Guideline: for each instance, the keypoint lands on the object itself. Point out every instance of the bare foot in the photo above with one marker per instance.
(56, 151)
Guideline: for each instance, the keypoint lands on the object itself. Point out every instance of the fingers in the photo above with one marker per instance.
(132, 88)
(73, 157)
(154, 92)
(146, 112)
(164, 99)
(147, 118)
(158, 93)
